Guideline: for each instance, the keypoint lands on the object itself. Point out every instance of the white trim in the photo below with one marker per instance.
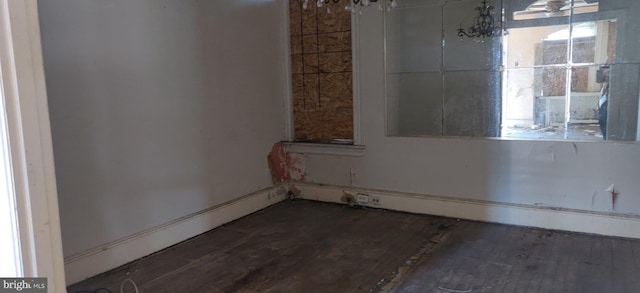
(10, 250)
(289, 130)
(355, 75)
(638, 127)
(325, 149)
(30, 142)
(121, 251)
(601, 223)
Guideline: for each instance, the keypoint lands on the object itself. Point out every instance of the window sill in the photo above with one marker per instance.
(324, 149)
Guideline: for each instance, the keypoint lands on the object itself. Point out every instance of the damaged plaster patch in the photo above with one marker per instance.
(296, 166)
(285, 167)
(348, 198)
(277, 163)
(294, 192)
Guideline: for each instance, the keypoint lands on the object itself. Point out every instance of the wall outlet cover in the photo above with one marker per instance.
(362, 198)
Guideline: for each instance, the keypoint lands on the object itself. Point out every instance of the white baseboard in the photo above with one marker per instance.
(601, 223)
(114, 254)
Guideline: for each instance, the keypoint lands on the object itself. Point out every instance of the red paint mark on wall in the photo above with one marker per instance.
(285, 167)
(277, 163)
(614, 195)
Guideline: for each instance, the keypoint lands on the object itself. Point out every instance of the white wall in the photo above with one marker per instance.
(159, 109)
(548, 173)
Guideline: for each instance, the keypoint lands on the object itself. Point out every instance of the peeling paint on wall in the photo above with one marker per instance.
(296, 166)
(285, 166)
(277, 163)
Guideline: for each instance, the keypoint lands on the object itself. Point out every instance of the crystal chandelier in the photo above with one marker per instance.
(354, 5)
(484, 24)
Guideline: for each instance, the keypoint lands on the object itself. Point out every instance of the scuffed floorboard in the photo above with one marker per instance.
(301, 246)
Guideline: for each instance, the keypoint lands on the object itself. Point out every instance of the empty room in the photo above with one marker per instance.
(321, 146)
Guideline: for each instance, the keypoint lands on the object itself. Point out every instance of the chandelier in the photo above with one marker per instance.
(353, 5)
(484, 24)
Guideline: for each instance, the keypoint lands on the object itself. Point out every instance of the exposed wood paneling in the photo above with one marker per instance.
(321, 45)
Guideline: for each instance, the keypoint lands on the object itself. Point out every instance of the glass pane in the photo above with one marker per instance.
(536, 46)
(529, 111)
(414, 37)
(594, 42)
(469, 53)
(518, 114)
(586, 90)
(414, 104)
(472, 103)
(413, 54)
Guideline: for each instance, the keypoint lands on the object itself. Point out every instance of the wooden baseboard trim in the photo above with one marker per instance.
(100, 259)
(600, 223)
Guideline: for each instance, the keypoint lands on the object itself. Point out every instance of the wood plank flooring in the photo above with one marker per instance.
(302, 246)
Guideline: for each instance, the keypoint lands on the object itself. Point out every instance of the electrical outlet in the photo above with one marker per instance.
(375, 200)
(362, 198)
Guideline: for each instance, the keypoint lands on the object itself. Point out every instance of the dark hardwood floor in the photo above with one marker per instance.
(301, 246)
